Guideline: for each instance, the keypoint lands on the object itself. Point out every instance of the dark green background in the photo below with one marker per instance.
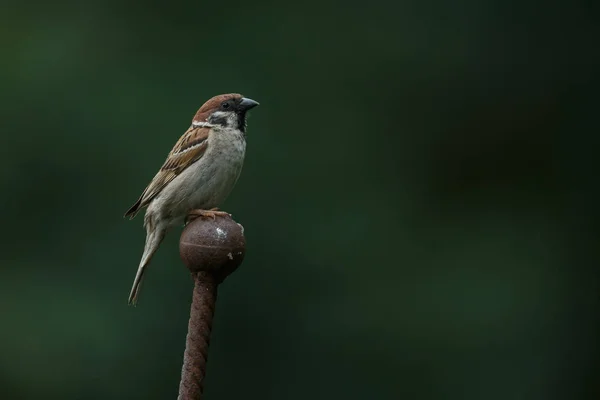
(419, 197)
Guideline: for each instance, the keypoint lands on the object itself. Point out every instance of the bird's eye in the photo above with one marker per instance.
(225, 105)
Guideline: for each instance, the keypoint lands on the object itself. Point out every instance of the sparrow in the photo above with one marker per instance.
(199, 173)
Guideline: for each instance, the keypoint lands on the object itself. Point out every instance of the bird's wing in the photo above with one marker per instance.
(188, 149)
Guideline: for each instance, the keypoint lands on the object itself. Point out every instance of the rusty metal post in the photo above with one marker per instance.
(211, 249)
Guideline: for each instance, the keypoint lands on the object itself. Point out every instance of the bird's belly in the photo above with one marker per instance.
(210, 185)
(205, 184)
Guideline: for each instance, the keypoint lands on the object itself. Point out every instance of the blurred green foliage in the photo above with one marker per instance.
(419, 197)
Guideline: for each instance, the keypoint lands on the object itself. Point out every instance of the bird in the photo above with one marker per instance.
(197, 176)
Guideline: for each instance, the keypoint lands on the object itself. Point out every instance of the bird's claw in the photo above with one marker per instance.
(212, 213)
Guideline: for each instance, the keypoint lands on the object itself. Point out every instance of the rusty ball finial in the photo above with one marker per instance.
(213, 245)
(211, 249)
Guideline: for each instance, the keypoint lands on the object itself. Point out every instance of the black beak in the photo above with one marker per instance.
(247, 104)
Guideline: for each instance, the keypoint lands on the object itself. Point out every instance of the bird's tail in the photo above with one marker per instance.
(153, 239)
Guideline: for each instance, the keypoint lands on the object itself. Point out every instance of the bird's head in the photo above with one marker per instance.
(226, 110)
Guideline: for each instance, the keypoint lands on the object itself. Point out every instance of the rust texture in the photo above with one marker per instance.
(198, 337)
(211, 249)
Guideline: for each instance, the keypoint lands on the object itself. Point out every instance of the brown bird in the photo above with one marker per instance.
(197, 176)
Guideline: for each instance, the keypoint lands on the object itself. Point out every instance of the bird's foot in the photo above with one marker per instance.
(212, 213)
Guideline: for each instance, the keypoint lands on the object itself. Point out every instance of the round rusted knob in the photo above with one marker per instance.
(213, 245)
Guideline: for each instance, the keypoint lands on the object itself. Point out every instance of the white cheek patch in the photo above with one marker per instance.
(227, 119)
(219, 115)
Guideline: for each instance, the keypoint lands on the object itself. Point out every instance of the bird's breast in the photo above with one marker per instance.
(215, 174)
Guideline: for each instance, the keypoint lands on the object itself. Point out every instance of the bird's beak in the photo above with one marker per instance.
(247, 104)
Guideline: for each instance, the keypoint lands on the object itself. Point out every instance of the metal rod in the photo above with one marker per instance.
(198, 337)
